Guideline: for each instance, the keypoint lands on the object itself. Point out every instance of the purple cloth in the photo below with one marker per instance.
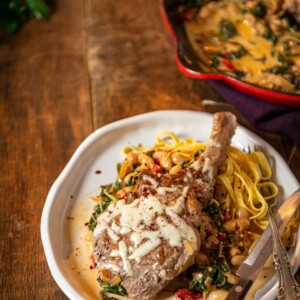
(264, 115)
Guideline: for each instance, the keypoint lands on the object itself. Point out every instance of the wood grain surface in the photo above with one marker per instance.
(92, 63)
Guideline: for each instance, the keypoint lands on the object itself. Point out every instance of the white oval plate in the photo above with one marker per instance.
(102, 150)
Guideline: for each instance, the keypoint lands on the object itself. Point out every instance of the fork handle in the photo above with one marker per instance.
(289, 289)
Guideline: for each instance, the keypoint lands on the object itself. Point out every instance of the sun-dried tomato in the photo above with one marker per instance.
(184, 294)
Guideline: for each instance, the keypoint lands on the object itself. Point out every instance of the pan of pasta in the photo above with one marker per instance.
(151, 207)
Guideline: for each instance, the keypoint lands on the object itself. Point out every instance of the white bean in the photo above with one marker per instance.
(175, 169)
(243, 223)
(242, 213)
(230, 226)
(166, 163)
(234, 251)
(217, 295)
(178, 158)
(237, 260)
(145, 159)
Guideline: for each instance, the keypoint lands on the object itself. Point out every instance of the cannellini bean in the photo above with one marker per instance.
(234, 251)
(207, 10)
(166, 163)
(217, 295)
(158, 155)
(242, 213)
(237, 260)
(175, 169)
(178, 158)
(230, 226)
(243, 223)
(145, 159)
(231, 278)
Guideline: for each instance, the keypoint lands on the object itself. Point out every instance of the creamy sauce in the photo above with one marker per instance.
(77, 258)
(207, 167)
(264, 276)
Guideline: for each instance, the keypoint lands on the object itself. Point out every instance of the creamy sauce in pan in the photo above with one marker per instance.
(249, 54)
(78, 262)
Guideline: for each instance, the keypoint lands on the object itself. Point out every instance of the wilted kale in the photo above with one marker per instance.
(270, 35)
(227, 29)
(277, 69)
(117, 289)
(259, 10)
(107, 195)
(98, 210)
(214, 211)
(214, 275)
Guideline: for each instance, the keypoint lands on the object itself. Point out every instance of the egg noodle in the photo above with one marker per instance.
(242, 179)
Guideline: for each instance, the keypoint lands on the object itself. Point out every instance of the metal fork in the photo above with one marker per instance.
(288, 288)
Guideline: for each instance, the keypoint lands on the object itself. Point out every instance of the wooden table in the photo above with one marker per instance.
(94, 62)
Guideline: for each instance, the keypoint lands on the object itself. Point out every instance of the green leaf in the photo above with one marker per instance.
(270, 36)
(98, 210)
(227, 29)
(117, 289)
(259, 10)
(216, 273)
(110, 196)
(39, 9)
(10, 26)
(12, 14)
(277, 69)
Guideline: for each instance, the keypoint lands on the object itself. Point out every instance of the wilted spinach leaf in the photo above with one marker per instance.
(117, 289)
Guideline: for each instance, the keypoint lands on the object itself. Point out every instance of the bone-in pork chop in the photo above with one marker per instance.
(151, 235)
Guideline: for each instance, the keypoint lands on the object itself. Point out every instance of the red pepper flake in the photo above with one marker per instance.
(156, 160)
(184, 294)
(228, 64)
(98, 172)
(227, 216)
(222, 237)
(185, 213)
(93, 262)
